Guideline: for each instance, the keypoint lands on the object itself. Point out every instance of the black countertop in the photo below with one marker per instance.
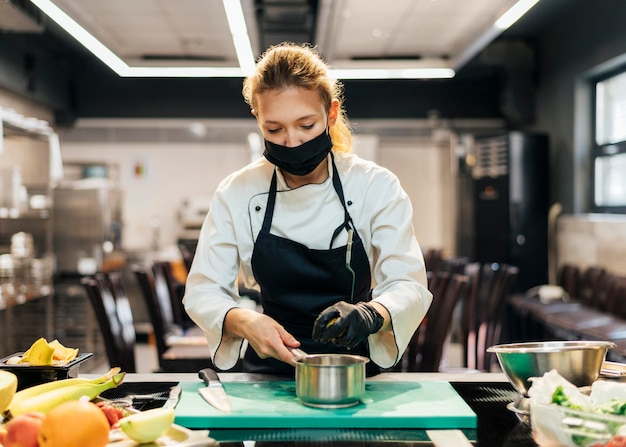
(487, 395)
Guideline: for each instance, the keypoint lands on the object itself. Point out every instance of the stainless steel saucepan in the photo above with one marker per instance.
(329, 380)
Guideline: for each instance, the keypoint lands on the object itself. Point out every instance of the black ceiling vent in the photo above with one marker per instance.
(286, 21)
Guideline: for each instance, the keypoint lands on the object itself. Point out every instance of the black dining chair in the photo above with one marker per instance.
(482, 311)
(115, 280)
(164, 274)
(568, 278)
(115, 321)
(187, 250)
(437, 283)
(174, 356)
(593, 282)
(436, 333)
(425, 350)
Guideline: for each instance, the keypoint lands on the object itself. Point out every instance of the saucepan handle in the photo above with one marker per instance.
(298, 353)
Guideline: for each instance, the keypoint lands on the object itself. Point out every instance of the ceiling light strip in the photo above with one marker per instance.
(239, 31)
(82, 36)
(514, 13)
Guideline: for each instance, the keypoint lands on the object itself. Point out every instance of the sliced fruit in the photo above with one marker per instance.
(148, 425)
(43, 353)
(40, 353)
(8, 387)
(62, 354)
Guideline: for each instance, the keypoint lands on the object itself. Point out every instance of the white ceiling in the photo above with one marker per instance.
(348, 33)
(149, 32)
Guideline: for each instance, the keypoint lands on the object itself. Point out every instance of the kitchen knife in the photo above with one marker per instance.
(214, 392)
(173, 398)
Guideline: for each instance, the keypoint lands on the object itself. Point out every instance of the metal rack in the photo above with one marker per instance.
(26, 305)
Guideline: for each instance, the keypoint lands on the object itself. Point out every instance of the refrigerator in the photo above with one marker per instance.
(504, 203)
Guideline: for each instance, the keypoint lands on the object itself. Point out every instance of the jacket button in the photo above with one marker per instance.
(349, 202)
(257, 208)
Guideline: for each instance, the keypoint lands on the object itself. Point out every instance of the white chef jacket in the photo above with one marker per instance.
(382, 215)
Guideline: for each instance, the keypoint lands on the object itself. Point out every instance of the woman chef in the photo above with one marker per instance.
(326, 236)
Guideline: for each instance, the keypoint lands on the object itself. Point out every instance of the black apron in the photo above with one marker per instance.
(297, 283)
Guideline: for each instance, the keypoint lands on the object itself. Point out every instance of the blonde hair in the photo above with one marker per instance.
(292, 65)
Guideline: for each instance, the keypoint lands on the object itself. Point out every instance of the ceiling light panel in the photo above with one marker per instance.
(401, 39)
(409, 28)
(158, 32)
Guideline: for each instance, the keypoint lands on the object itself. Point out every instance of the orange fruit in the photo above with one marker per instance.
(75, 423)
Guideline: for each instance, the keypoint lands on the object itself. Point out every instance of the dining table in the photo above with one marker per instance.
(488, 397)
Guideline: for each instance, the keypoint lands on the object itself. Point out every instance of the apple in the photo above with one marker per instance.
(22, 431)
(3, 435)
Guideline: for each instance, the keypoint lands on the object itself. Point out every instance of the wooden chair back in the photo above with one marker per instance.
(115, 281)
(187, 250)
(432, 259)
(164, 278)
(158, 305)
(469, 310)
(176, 358)
(592, 282)
(425, 349)
(437, 283)
(483, 309)
(439, 322)
(616, 296)
(118, 345)
(569, 279)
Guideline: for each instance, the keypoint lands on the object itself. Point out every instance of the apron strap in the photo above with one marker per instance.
(339, 190)
(271, 202)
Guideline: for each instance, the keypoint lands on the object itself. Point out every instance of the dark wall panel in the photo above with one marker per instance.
(101, 93)
(416, 98)
(29, 72)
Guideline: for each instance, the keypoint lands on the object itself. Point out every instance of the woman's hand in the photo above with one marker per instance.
(347, 324)
(264, 334)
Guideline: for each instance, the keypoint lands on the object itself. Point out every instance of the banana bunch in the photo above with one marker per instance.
(42, 398)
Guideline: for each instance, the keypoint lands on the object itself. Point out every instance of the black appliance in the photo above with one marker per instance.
(509, 198)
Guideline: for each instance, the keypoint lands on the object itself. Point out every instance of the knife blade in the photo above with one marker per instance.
(214, 392)
(173, 398)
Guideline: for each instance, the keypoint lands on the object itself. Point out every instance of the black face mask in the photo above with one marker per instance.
(299, 160)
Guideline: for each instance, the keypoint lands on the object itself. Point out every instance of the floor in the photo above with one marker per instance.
(146, 358)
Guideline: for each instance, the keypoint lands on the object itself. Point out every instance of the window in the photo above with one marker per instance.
(609, 153)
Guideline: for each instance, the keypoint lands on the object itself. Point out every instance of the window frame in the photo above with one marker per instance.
(603, 150)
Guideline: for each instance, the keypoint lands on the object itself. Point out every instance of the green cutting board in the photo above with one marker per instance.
(419, 405)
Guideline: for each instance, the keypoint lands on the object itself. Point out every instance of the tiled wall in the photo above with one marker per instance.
(592, 239)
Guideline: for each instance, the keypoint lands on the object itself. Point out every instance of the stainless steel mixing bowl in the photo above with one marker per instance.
(579, 362)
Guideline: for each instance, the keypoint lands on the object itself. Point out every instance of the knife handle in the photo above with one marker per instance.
(208, 375)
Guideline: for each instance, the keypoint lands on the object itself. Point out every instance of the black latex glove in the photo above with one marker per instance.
(347, 324)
